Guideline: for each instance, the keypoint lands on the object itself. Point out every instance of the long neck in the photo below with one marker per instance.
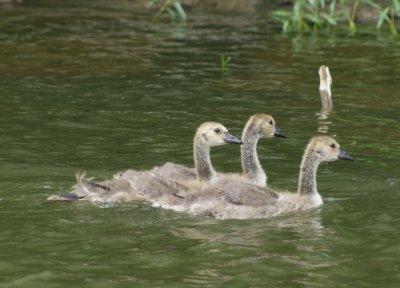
(202, 161)
(251, 166)
(308, 173)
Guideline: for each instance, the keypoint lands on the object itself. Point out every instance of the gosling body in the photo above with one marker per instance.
(242, 201)
(147, 185)
(258, 126)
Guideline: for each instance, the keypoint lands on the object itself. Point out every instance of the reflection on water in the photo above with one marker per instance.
(248, 233)
(233, 244)
(86, 86)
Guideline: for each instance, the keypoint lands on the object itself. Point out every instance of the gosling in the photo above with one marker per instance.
(146, 185)
(258, 126)
(228, 202)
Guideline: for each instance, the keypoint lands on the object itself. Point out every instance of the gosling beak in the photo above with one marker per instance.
(343, 155)
(279, 133)
(230, 139)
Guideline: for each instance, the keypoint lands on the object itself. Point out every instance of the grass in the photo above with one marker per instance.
(224, 64)
(388, 15)
(172, 7)
(307, 15)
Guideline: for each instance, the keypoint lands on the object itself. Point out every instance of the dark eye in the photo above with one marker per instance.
(332, 145)
(270, 122)
(217, 130)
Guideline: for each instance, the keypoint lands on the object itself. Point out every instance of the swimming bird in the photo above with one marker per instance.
(258, 126)
(229, 200)
(147, 185)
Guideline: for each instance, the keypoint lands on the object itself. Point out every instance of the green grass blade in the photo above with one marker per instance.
(382, 17)
(297, 7)
(372, 4)
(314, 20)
(282, 13)
(393, 28)
(172, 14)
(328, 18)
(396, 6)
(332, 8)
(180, 10)
(286, 26)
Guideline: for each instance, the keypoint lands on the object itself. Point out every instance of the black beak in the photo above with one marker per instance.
(343, 155)
(279, 133)
(230, 139)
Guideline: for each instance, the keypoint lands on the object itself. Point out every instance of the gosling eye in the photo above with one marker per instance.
(271, 122)
(332, 145)
(217, 130)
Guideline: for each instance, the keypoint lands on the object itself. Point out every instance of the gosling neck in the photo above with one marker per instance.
(308, 174)
(202, 161)
(251, 166)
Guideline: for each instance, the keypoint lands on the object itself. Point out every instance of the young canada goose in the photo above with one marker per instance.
(258, 126)
(147, 185)
(232, 201)
(208, 135)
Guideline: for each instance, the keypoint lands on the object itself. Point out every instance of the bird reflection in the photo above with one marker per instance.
(254, 233)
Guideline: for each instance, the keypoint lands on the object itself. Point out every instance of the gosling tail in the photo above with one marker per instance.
(81, 190)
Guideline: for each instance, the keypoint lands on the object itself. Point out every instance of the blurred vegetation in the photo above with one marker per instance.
(306, 15)
(309, 15)
(173, 7)
(295, 16)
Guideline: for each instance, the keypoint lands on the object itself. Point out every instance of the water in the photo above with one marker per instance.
(90, 86)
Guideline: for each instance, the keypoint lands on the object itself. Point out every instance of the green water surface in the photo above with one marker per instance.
(98, 86)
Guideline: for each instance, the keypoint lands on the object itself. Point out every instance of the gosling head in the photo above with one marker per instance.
(215, 134)
(327, 149)
(264, 124)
